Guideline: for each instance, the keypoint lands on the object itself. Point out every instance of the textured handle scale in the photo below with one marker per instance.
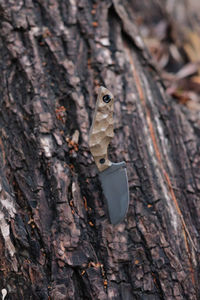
(101, 131)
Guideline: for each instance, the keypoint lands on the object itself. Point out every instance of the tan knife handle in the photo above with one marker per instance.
(101, 131)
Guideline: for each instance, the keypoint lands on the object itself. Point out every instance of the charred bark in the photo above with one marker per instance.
(55, 239)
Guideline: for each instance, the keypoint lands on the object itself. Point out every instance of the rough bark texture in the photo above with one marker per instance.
(55, 239)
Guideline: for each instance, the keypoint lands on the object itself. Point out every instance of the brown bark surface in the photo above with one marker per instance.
(55, 239)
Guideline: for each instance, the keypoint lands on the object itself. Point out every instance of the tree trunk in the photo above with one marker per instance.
(56, 241)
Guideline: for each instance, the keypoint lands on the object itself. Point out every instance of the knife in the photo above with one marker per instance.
(113, 176)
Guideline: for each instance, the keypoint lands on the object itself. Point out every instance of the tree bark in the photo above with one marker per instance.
(56, 241)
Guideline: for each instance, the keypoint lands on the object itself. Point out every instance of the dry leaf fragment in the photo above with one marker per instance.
(192, 46)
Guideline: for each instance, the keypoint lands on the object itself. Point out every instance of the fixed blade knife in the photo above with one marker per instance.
(113, 176)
